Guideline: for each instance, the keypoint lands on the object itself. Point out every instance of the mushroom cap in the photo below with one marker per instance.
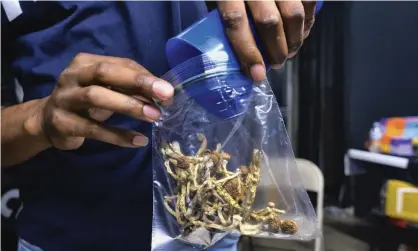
(183, 163)
(244, 169)
(226, 156)
(274, 224)
(289, 226)
(231, 186)
(214, 157)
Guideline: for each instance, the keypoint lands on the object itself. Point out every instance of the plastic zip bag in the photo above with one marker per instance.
(222, 161)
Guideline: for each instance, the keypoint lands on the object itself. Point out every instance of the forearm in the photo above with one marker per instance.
(21, 132)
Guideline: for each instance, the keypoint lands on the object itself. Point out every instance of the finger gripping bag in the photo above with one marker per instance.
(222, 161)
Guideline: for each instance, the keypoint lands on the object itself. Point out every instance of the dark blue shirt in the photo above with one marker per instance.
(98, 197)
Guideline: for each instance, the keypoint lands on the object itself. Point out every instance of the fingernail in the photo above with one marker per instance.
(258, 73)
(162, 90)
(151, 112)
(140, 140)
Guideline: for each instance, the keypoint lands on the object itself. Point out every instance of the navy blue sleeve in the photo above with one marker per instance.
(8, 96)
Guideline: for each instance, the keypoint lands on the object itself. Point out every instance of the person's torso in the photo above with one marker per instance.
(98, 196)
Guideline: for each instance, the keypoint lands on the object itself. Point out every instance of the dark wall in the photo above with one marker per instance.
(359, 64)
(321, 96)
(381, 66)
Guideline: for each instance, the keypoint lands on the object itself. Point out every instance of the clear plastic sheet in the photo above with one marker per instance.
(223, 162)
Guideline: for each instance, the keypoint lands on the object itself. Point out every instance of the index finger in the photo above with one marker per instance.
(238, 31)
(135, 81)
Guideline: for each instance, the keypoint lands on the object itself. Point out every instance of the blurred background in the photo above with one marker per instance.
(349, 99)
(351, 108)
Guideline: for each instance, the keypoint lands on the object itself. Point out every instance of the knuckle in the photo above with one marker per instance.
(143, 81)
(296, 15)
(101, 71)
(89, 94)
(233, 19)
(80, 58)
(251, 49)
(268, 20)
(129, 62)
(64, 78)
(58, 98)
(133, 108)
(91, 130)
(61, 81)
(56, 121)
(132, 102)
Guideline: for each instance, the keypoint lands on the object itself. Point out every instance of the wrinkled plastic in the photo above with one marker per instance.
(197, 152)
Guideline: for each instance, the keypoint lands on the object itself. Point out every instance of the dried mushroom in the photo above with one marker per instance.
(274, 224)
(208, 195)
(289, 227)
